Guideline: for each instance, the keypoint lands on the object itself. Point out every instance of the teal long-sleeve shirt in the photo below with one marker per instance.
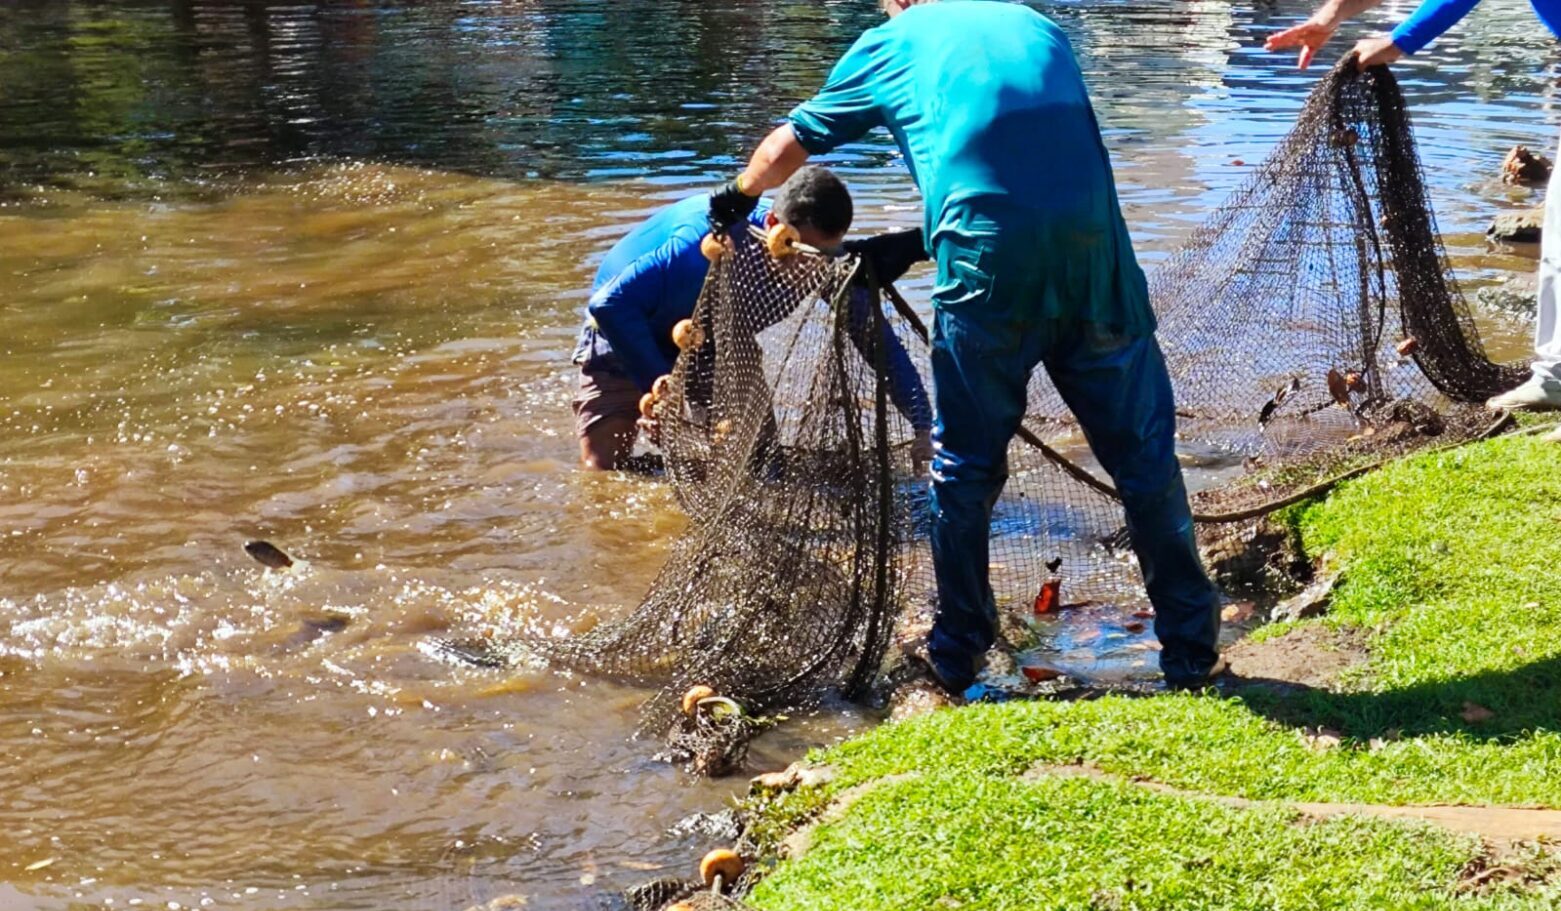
(988, 106)
(1433, 17)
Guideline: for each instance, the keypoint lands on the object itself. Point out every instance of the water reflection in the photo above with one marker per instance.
(310, 271)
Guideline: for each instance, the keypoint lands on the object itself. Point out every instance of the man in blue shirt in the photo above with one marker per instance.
(1035, 266)
(1542, 390)
(650, 280)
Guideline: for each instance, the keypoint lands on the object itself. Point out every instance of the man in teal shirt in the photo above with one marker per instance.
(1035, 266)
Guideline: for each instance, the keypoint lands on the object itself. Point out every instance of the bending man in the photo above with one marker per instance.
(1034, 267)
(651, 279)
(1542, 390)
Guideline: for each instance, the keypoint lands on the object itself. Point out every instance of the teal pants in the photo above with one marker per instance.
(989, 334)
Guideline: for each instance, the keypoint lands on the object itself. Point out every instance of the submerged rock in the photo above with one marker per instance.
(1509, 300)
(1518, 227)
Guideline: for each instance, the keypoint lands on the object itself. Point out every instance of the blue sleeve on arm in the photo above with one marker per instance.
(905, 387)
(622, 309)
(845, 107)
(1428, 22)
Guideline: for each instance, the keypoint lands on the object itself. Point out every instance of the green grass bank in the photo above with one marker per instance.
(1451, 583)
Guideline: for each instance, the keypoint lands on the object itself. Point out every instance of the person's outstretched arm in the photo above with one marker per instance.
(843, 110)
(904, 383)
(1428, 22)
(1312, 34)
(777, 158)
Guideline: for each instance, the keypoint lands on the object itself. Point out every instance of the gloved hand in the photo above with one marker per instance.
(890, 254)
(730, 205)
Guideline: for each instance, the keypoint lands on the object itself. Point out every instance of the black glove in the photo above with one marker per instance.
(729, 205)
(891, 254)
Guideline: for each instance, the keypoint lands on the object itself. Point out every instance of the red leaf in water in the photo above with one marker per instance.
(1474, 713)
(1046, 598)
(1037, 674)
(1134, 626)
(1144, 614)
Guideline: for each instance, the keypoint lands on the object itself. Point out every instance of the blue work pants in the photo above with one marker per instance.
(988, 337)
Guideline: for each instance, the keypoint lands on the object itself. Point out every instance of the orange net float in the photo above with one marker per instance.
(694, 696)
(722, 862)
(781, 240)
(712, 247)
(687, 334)
(648, 405)
(661, 386)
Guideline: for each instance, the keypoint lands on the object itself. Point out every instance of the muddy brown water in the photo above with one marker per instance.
(311, 273)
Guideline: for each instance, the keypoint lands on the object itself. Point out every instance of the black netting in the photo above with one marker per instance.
(782, 445)
(1312, 328)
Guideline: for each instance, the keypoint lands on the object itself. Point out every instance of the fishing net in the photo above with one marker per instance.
(1312, 328)
(783, 446)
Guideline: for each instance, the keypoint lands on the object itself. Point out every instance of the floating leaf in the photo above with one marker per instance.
(1038, 674)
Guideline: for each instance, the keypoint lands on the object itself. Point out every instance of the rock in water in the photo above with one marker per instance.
(1508, 300)
(1518, 227)
(268, 555)
(1522, 166)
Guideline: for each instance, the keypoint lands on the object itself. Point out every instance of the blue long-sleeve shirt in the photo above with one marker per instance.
(1433, 17)
(651, 279)
(648, 281)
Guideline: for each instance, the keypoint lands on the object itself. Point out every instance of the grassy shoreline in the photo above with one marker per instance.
(1451, 578)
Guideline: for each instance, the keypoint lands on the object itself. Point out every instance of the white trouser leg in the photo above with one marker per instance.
(1547, 325)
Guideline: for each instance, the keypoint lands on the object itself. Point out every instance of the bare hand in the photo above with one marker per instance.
(1374, 51)
(1309, 36)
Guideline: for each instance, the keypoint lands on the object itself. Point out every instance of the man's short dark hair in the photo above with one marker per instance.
(814, 197)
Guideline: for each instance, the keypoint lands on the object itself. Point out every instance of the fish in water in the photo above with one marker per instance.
(268, 554)
(312, 629)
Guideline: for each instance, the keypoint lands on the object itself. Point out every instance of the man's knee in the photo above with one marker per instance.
(606, 449)
(606, 409)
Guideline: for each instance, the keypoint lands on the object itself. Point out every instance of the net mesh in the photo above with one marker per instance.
(781, 444)
(1312, 327)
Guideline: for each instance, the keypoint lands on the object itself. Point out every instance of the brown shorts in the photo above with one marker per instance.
(604, 394)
